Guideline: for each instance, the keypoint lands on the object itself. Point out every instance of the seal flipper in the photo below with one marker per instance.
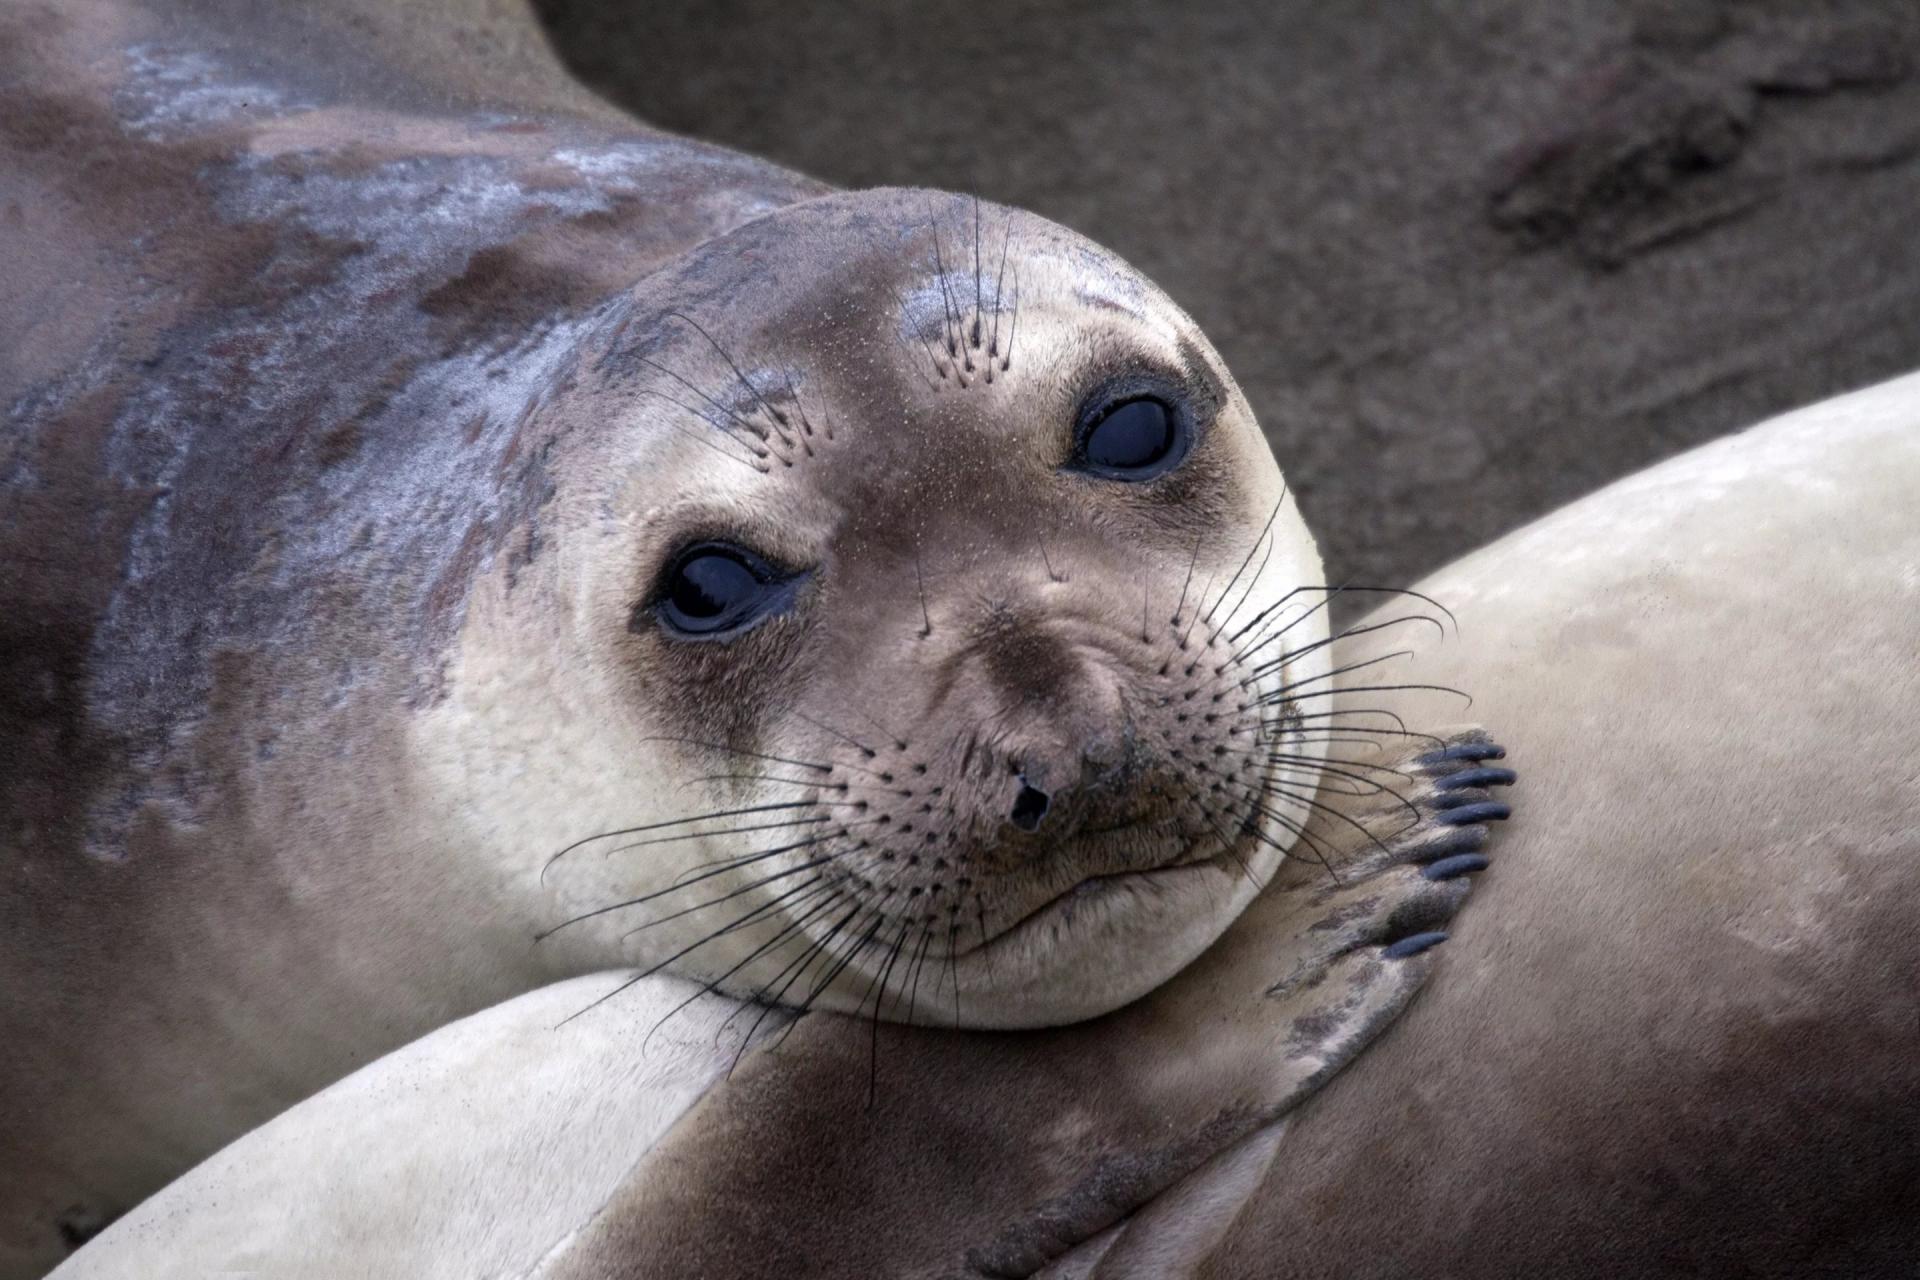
(1000, 1154)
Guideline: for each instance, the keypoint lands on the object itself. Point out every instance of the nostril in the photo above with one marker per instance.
(1030, 806)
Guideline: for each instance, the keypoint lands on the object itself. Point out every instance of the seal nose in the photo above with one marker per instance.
(1029, 807)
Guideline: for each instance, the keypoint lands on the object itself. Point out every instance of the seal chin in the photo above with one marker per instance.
(1105, 941)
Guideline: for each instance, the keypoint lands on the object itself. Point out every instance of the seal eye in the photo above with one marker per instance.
(1133, 439)
(713, 590)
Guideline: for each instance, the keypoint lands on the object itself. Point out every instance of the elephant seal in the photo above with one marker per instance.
(1675, 1037)
(456, 539)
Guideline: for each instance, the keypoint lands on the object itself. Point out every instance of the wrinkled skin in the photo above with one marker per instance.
(363, 376)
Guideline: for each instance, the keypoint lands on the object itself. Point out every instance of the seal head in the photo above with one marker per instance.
(910, 628)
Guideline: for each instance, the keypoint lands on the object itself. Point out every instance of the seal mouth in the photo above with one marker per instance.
(1090, 891)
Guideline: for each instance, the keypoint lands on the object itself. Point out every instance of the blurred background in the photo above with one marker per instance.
(1469, 260)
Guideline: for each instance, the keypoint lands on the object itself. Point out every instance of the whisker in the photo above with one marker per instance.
(1335, 638)
(745, 424)
(752, 450)
(978, 297)
(798, 966)
(738, 751)
(1195, 620)
(673, 822)
(880, 981)
(654, 969)
(730, 865)
(920, 581)
(946, 299)
(752, 390)
(1330, 673)
(839, 967)
(993, 344)
(1013, 325)
(906, 318)
(707, 779)
(1332, 812)
(724, 831)
(1265, 529)
(734, 860)
(852, 741)
(1287, 695)
(1178, 609)
(913, 978)
(761, 883)
(899, 743)
(795, 923)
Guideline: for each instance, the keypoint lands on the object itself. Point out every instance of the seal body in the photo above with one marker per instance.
(1673, 1034)
(368, 385)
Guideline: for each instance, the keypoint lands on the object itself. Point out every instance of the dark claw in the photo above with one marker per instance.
(1413, 944)
(1459, 864)
(1449, 842)
(1453, 800)
(1485, 811)
(1476, 778)
(1464, 751)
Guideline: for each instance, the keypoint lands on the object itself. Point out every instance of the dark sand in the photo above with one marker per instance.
(1468, 260)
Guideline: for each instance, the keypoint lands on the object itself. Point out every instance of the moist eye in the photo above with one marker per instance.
(711, 586)
(714, 589)
(1132, 438)
(1131, 435)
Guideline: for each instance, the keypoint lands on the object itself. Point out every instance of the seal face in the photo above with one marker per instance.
(934, 595)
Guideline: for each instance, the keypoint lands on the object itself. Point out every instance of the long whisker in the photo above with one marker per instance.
(1265, 529)
(815, 765)
(1192, 563)
(978, 297)
(761, 883)
(907, 319)
(729, 865)
(745, 424)
(673, 822)
(797, 966)
(1013, 325)
(794, 924)
(946, 298)
(993, 344)
(879, 985)
(753, 450)
(1287, 695)
(827, 980)
(752, 390)
(724, 831)
(1331, 672)
(850, 740)
(652, 970)
(1284, 658)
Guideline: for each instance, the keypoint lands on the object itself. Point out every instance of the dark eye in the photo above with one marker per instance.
(713, 590)
(1132, 439)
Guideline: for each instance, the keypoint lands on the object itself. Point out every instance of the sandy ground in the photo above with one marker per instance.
(1469, 260)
